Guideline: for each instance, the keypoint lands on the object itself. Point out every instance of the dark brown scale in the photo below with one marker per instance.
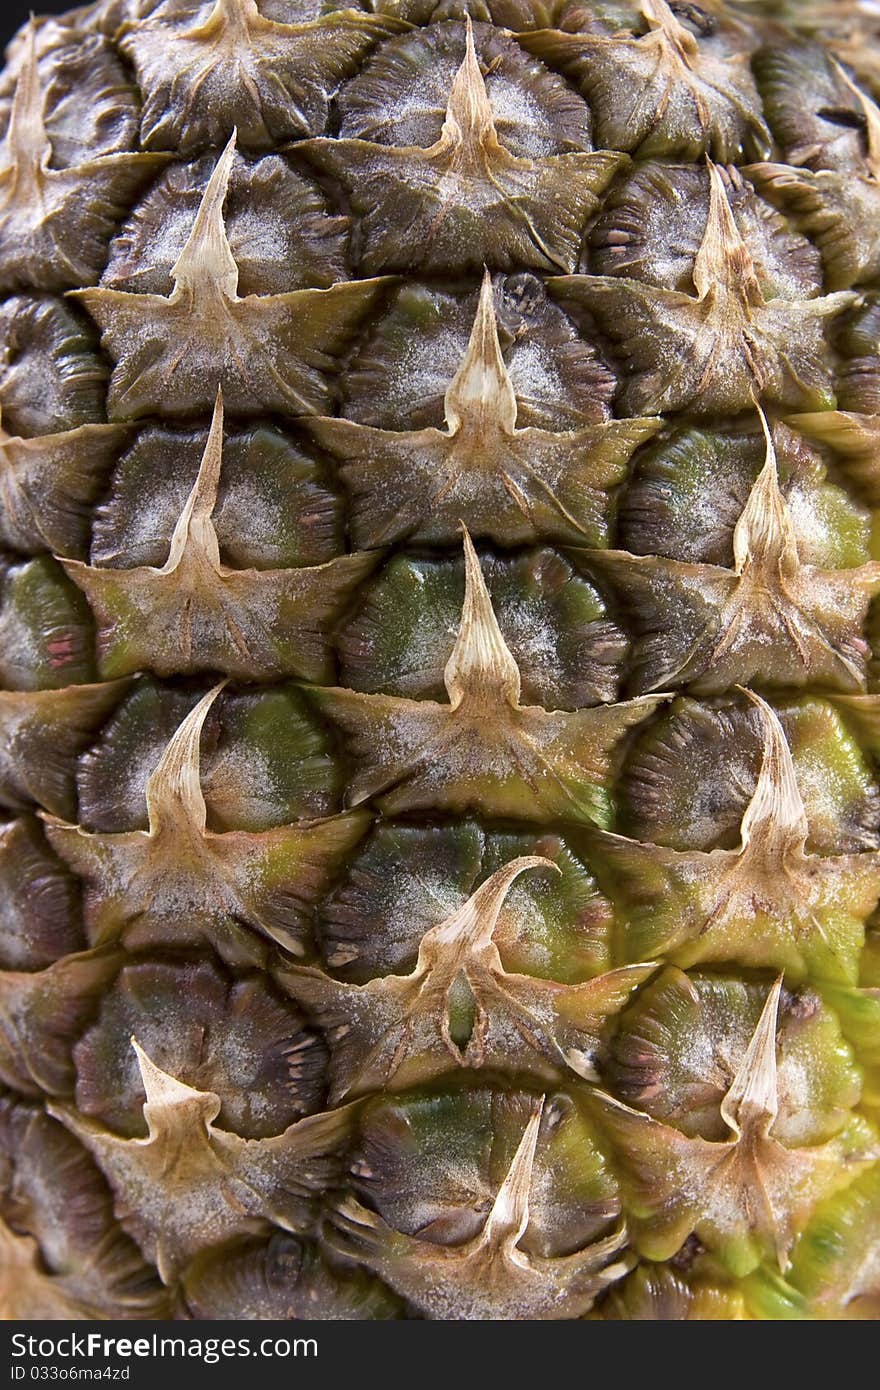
(50, 1189)
(234, 1037)
(52, 376)
(282, 1277)
(91, 107)
(39, 900)
(695, 18)
(843, 116)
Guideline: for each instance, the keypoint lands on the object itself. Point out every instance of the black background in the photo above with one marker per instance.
(16, 12)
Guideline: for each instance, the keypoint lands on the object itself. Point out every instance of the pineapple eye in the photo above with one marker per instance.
(402, 632)
(51, 375)
(688, 777)
(46, 629)
(680, 1043)
(82, 1234)
(268, 730)
(274, 510)
(237, 1038)
(654, 220)
(38, 901)
(282, 233)
(415, 1134)
(90, 107)
(281, 1276)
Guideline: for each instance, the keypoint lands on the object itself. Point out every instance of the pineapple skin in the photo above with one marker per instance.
(439, 866)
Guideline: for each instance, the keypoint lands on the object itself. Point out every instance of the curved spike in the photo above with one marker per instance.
(662, 20)
(27, 142)
(871, 112)
(775, 817)
(481, 668)
(206, 262)
(189, 1185)
(230, 19)
(481, 392)
(752, 1102)
(162, 1090)
(723, 264)
(764, 536)
(195, 531)
(174, 788)
(469, 125)
(477, 919)
(509, 1216)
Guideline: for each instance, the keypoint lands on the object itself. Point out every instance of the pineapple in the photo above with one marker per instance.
(439, 868)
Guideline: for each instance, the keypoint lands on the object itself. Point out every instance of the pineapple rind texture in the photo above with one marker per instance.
(440, 761)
